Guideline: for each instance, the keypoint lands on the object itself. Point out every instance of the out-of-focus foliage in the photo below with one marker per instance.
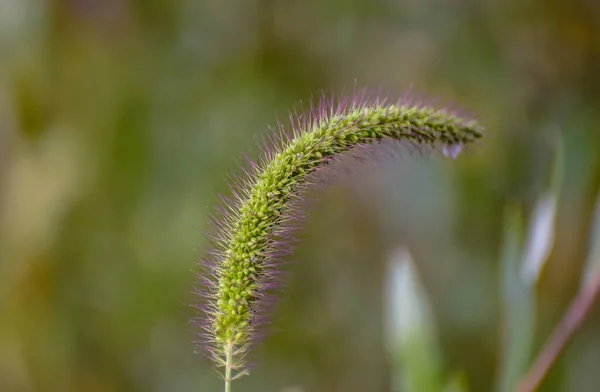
(523, 257)
(119, 120)
(411, 335)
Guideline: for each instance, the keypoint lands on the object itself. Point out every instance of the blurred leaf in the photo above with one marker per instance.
(592, 268)
(518, 301)
(412, 331)
(521, 270)
(457, 383)
(540, 236)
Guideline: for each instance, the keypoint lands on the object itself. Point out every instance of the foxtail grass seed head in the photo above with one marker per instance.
(255, 228)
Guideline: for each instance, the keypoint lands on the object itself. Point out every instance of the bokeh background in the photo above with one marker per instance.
(120, 119)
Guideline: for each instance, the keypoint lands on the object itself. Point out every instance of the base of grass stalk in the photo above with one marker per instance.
(228, 366)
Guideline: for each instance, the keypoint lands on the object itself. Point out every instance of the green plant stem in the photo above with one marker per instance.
(570, 323)
(228, 365)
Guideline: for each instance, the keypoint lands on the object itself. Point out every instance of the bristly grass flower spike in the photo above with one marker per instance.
(254, 230)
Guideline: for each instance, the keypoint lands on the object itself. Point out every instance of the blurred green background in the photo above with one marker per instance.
(119, 120)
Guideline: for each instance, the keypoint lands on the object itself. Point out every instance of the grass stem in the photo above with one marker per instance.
(228, 365)
(570, 323)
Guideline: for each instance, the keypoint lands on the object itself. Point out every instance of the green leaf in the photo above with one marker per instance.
(518, 303)
(541, 230)
(412, 331)
(592, 268)
(457, 383)
(521, 268)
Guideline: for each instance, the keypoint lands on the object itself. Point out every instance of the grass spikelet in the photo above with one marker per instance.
(255, 228)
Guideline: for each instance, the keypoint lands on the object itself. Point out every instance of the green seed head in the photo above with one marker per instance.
(254, 231)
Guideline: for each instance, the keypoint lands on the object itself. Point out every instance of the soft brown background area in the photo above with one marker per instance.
(119, 120)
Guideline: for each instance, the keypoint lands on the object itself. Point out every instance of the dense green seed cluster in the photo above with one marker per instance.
(263, 203)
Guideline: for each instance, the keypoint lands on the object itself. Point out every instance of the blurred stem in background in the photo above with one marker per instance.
(575, 315)
(570, 323)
